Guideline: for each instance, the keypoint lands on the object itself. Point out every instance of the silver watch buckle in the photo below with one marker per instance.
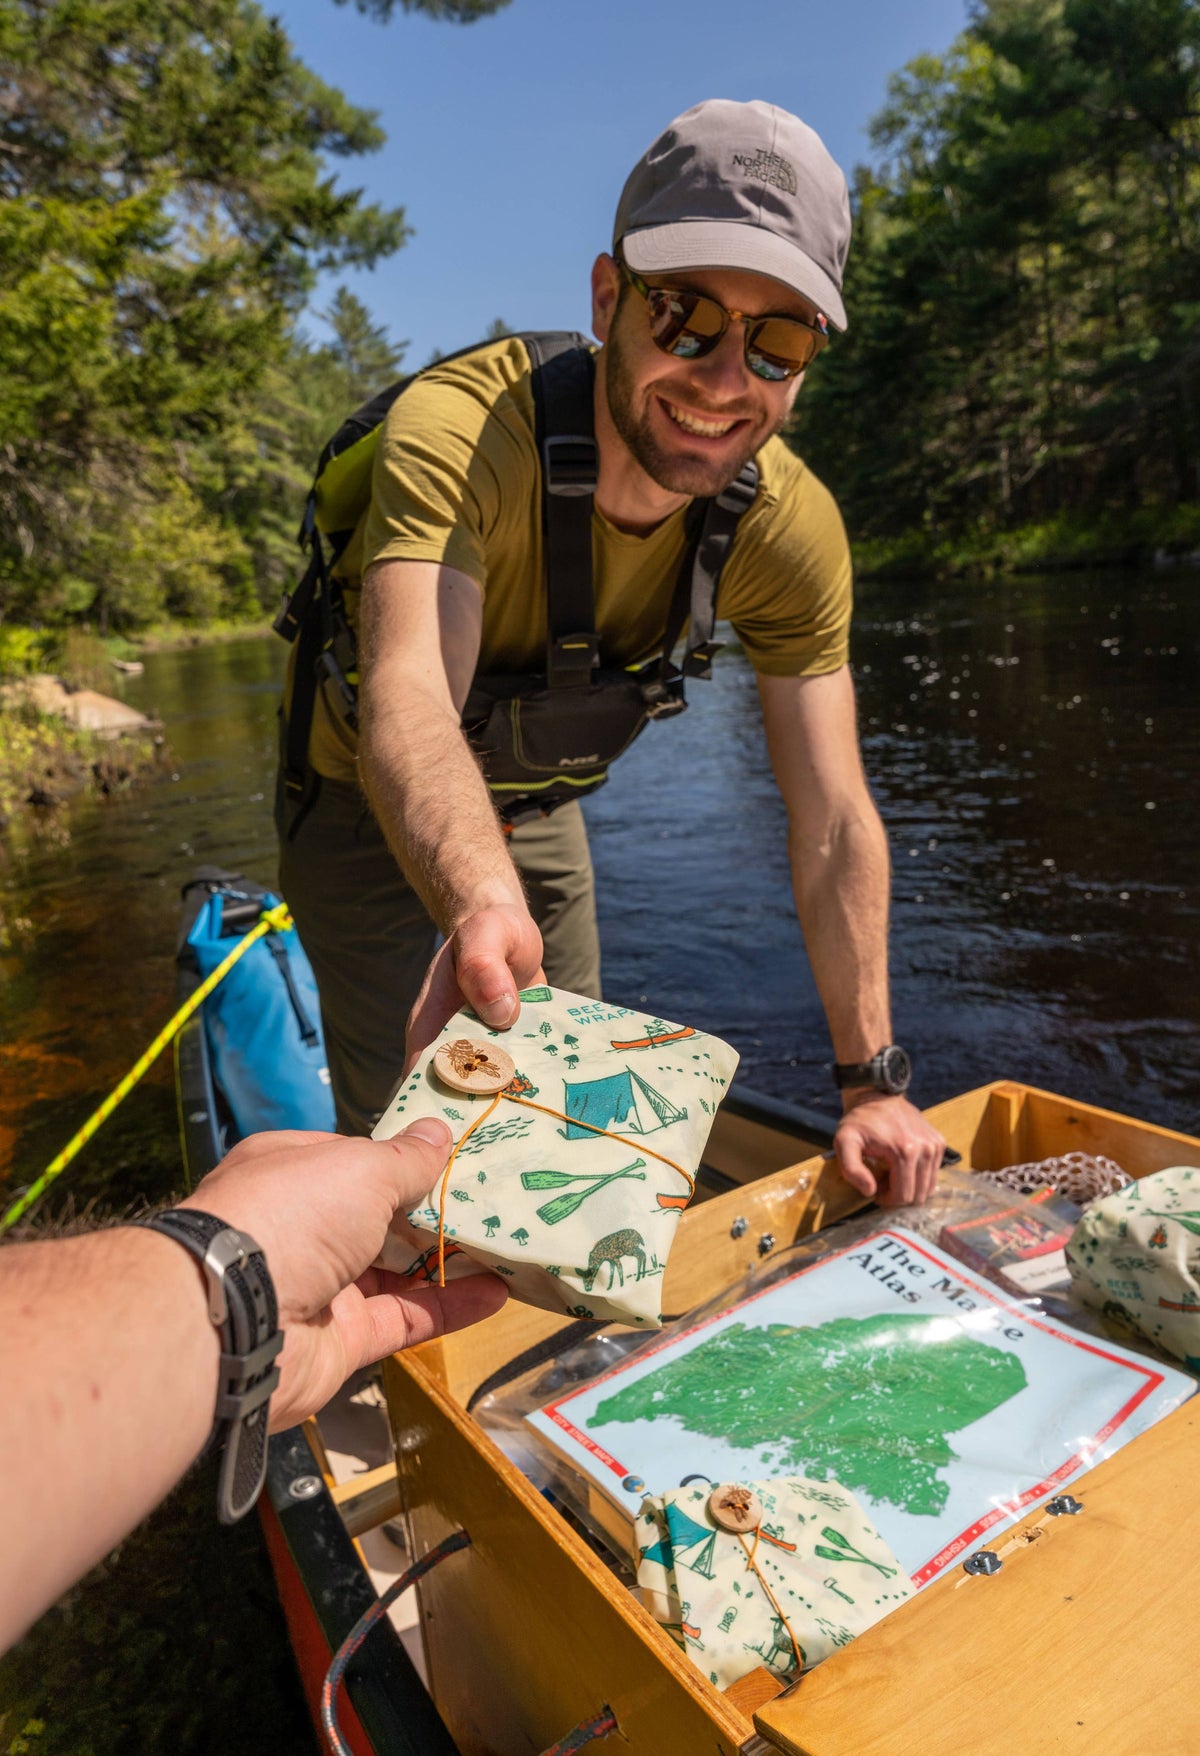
(228, 1249)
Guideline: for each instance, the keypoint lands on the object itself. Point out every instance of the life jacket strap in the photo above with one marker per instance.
(563, 396)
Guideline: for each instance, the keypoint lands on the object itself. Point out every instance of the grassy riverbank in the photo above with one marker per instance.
(44, 761)
(1142, 536)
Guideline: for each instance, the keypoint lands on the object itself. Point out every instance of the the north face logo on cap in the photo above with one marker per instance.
(767, 167)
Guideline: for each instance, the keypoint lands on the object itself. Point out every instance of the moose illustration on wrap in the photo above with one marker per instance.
(611, 1250)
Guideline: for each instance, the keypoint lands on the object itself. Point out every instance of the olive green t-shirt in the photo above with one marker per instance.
(456, 481)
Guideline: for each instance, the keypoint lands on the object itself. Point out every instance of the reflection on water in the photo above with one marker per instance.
(1034, 746)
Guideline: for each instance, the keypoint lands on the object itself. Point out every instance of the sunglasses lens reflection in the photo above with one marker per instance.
(688, 326)
(685, 324)
(779, 348)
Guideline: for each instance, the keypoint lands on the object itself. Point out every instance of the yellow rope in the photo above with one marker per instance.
(273, 920)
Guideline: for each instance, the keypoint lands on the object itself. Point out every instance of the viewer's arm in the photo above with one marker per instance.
(840, 876)
(108, 1362)
(419, 633)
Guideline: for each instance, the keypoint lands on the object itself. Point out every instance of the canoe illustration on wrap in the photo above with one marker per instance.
(655, 1038)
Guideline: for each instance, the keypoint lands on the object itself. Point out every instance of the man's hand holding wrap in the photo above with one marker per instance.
(490, 956)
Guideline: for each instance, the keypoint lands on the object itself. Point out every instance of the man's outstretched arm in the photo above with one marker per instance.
(841, 877)
(419, 631)
(109, 1363)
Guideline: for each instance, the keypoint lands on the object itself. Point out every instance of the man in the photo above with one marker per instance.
(724, 278)
(110, 1367)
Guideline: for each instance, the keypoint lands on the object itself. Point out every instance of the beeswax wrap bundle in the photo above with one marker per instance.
(1135, 1256)
(576, 1150)
(821, 1574)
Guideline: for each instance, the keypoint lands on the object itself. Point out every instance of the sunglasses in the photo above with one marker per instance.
(689, 325)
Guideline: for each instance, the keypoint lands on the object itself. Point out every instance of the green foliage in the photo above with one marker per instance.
(22, 652)
(165, 207)
(1025, 343)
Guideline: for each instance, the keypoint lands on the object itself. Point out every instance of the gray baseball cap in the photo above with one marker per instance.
(749, 186)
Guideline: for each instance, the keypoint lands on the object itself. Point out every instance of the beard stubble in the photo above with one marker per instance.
(678, 475)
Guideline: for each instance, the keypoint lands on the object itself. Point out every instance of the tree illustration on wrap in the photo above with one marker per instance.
(869, 1401)
(563, 1206)
(623, 1103)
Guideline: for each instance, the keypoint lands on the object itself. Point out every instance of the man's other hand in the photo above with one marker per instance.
(887, 1150)
(491, 955)
(320, 1206)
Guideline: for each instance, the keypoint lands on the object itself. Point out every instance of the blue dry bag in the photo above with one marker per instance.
(263, 1024)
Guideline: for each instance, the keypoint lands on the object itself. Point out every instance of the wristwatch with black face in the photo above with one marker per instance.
(890, 1072)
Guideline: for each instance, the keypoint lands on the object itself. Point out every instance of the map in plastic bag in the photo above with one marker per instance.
(944, 1404)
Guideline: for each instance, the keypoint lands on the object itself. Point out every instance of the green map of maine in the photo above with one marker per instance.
(869, 1401)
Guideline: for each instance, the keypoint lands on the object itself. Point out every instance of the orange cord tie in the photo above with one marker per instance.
(574, 1122)
(752, 1567)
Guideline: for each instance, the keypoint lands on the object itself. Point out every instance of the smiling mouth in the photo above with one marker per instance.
(702, 429)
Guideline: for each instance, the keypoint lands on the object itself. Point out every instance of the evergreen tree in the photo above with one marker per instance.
(165, 208)
(1024, 287)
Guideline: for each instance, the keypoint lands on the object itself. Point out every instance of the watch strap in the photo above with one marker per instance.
(243, 1306)
(847, 1073)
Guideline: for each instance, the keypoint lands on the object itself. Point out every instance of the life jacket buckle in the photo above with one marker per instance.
(570, 464)
(698, 662)
(572, 659)
(663, 697)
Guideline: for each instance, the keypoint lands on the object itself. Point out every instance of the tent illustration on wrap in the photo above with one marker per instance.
(623, 1102)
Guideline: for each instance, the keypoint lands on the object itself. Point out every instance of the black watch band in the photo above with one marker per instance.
(242, 1305)
(890, 1071)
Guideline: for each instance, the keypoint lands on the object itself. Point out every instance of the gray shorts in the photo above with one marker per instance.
(370, 940)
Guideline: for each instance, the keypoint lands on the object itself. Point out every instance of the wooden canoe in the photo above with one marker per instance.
(1082, 1642)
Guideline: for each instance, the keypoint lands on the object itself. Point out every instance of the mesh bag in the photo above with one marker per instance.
(1082, 1177)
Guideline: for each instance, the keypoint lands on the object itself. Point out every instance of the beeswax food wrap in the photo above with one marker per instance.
(568, 1180)
(828, 1571)
(1135, 1256)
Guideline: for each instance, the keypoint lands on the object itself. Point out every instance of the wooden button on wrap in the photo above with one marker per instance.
(479, 1068)
(735, 1508)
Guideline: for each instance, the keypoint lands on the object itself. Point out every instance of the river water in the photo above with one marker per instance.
(1034, 746)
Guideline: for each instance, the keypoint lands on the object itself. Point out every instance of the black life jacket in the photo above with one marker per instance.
(543, 737)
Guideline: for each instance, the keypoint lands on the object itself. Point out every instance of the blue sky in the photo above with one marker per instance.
(509, 140)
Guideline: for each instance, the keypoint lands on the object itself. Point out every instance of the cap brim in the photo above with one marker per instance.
(730, 244)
